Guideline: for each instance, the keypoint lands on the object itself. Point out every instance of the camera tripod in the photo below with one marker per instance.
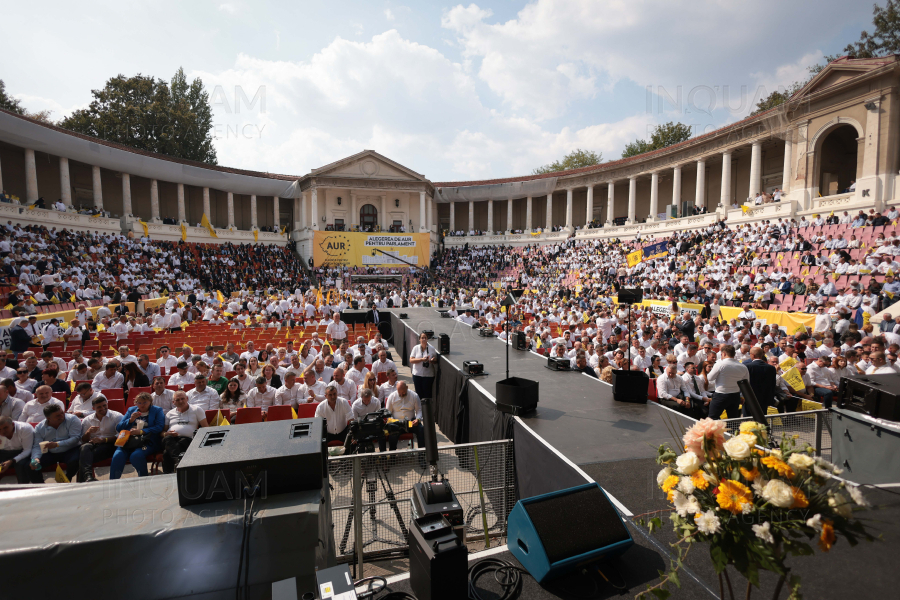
(372, 474)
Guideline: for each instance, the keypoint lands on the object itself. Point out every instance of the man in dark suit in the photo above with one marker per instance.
(373, 315)
(687, 326)
(762, 380)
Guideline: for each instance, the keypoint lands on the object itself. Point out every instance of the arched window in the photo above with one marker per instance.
(368, 217)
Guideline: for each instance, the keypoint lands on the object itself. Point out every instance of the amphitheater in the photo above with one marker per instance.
(840, 128)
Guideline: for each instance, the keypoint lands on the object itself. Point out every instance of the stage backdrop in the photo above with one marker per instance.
(346, 249)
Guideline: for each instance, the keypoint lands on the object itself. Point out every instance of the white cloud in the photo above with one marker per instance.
(787, 74)
(389, 15)
(229, 7)
(37, 104)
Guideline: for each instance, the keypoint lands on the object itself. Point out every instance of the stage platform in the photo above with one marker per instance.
(579, 433)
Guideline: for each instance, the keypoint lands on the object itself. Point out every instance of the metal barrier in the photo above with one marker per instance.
(812, 427)
(372, 493)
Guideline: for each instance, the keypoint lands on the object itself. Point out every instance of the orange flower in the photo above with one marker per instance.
(750, 474)
(800, 500)
(734, 496)
(670, 482)
(776, 464)
(827, 539)
(699, 480)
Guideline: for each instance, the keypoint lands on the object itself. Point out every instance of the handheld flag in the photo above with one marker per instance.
(634, 258)
(183, 233)
(205, 223)
(220, 297)
(60, 475)
(146, 229)
(256, 235)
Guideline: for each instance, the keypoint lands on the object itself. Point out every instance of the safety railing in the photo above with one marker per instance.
(812, 427)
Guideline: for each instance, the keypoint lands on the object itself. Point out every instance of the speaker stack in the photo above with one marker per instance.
(556, 533)
(444, 343)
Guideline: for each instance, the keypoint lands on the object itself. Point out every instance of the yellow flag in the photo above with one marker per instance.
(220, 297)
(327, 345)
(801, 328)
(805, 271)
(780, 256)
(889, 294)
(634, 258)
(789, 363)
(146, 229)
(283, 229)
(32, 207)
(293, 413)
(73, 298)
(71, 386)
(101, 327)
(8, 307)
(113, 349)
(794, 379)
(255, 235)
(538, 342)
(205, 223)
(183, 233)
(835, 276)
(54, 300)
(184, 325)
(60, 475)
(796, 255)
(745, 209)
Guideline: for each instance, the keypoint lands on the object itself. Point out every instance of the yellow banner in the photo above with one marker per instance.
(794, 379)
(635, 257)
(342, 248)
(205, 223)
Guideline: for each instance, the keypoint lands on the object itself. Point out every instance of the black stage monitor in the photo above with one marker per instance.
(631, 296)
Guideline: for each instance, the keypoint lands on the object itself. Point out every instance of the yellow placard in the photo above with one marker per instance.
(794, 379)
(341, 248)
(789, 363)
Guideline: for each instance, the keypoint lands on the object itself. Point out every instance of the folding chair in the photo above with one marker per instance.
(248, 415)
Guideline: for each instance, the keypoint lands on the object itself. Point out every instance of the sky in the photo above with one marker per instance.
(455, 92)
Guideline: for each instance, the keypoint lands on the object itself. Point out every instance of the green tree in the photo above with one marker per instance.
(663, 136)
(886, 37)
(575, 159)
(9, 103)
(147, 113)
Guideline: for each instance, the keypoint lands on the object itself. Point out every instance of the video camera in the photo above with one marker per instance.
(375, 426)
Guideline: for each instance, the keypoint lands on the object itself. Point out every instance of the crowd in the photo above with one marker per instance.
(567, 310)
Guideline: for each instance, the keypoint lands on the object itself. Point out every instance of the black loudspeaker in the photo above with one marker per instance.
(486, 332)
(280, 457)
(630, 386)
(445, 314)
(875, 395)
(438, 560)
(472, 367)
(631, 296)
(403, 316)
(428, 333)
(556, 363)
(519, 340)
(354, 305)
(444, 343)
(517, 395)
(558, 532)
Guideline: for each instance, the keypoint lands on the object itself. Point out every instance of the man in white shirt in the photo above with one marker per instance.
(337, 329)
(467, 318)
(345, 386)
(110, 378)
(405, 405)
(724, 375)
(337, 414)
(18, 438)
(673, 392)
(182, 423)
(291, 393)
(182, 377)
(251, 352)
(162, 397)
(98, 437)
(880, 365)
(695, 384)
(358, 373)
(313, 390)
(33, 411)
(822, 379)
(166, 362)
(202, 395)
(262, 395)
(390, 386)
(383, 365)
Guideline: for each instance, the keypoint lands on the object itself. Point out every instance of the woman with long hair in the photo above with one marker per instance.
(253, 369)
(134, 377)
(654, 370)
(233, 397)
(272, 378)
(370, 382)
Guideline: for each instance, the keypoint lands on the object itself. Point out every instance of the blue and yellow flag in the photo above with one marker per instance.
(656, 250)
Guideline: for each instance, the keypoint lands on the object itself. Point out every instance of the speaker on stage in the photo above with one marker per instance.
(518, 340)
(631, 295)
(630, 386)
(444, 343)
(354, 305)
(517, 395)
(556, 533)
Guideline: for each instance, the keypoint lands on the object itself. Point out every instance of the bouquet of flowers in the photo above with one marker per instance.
(753, 507)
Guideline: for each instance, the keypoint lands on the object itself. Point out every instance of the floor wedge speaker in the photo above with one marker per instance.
(630, 386)
(548, 545)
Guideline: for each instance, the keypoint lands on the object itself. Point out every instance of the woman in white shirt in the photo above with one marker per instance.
(253, 369)
(422, 360)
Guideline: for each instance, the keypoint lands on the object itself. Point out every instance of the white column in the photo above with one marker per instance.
(182, 213)
(528, 225)
(126, 191)
(31, 186)
(354, 212)
(314, 198)
(471, 215)
(632, 198)
(755, 169)
(206, 209)
(725, 200)
(97, 187)
(610, 203)
(65, 184)
(421, 211)
(231, 210)
(384, 214)
(654, 195)
(786, 170)
(430, 204)
(297, 212)
(700, 198)
(452, 217)
(1, 179)
(276, 218)
(490, 224)
(154, 201)
(590, 205)
(303, 210)
(509, 211)
(549, 211)
(569, 193)
(676, 187)
(870, 180)
(254, 222)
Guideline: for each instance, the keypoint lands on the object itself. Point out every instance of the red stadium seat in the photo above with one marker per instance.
(307, 411)
(133, 392)
(211, 415)
(114, 393)
(280, 413)
(382, 377)
(118, 405)
(248, 415)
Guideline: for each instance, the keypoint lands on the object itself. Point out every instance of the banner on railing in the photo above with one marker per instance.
(348, 249)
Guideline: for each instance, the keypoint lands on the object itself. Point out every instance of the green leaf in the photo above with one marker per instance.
(719, 558)
(655, 523)
(673, 576)
(661, 593)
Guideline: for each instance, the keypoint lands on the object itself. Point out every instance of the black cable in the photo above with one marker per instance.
(511, 583)
(237, 586)
(370, 593)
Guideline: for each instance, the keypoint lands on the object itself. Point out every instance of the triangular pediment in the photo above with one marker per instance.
(368, 164)
(842, 71)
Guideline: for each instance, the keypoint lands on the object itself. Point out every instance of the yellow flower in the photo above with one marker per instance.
(750, 474)
(734, 496)
(699, 480)
(670, 482)
(800, 500)
(776, 464)
(827, 539)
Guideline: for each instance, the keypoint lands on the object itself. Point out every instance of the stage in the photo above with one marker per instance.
(579, 433)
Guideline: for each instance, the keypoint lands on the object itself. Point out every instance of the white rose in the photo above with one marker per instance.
(778, 493)
(799, 460)
(737, 448)
(750, 438)
(662, 475)
(688, 463)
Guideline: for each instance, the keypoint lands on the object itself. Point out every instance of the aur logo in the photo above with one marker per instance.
(335, 245)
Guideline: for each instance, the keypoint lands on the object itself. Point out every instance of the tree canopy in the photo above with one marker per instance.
(15, 105)
(663, 136)
(143, 112)
(575, 159)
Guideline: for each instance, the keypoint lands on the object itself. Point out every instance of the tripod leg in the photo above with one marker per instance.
(389, 494)
(347, 527)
